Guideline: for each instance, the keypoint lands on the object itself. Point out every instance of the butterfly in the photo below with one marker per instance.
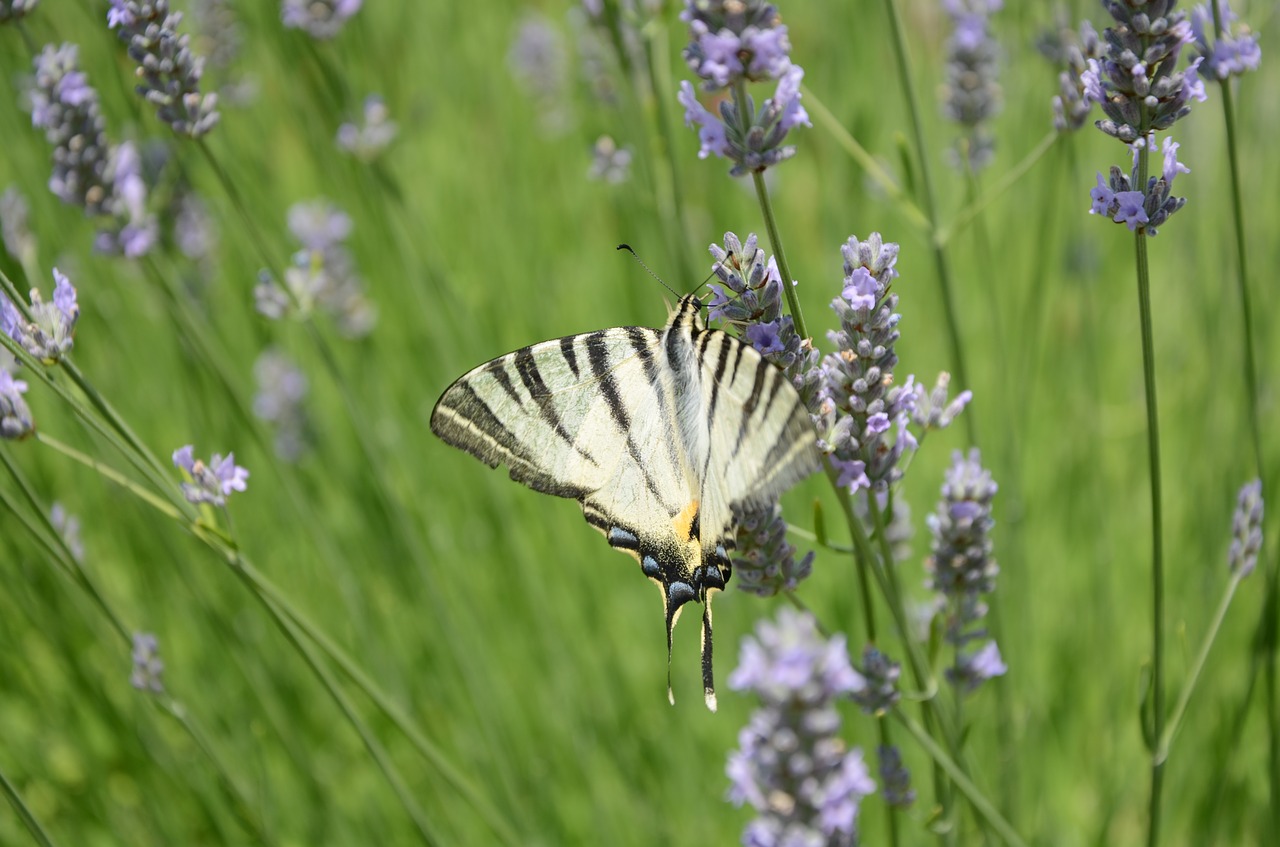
(660, 435)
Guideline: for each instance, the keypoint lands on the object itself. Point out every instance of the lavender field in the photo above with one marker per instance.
(1013, 262)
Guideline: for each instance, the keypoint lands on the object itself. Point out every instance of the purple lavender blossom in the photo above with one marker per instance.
(971, 95)
(880, 674)
(857, 401)
(68, 527)
(1136, 81)
(281, 390)
(976, 667)
(15, 415)
(895, 777)
(12, 10)
(66, 108)
(935, 409)
(609, 162)
(369, 139)
(322, 19)
(765, 562)
(1232, 53)
(48, 334)
(135, 230)
(961, 568)
(1120, 199)
(539, 63)
(1072, 105)
(168, 71)
(792, 767)
(210, 483)
(322, 274)
(731, 41)
(147, 667)
(1246, 530)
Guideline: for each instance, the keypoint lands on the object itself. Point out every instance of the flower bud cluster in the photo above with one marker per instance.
(1071, 107)
(971, 95)
(1119, 199)
(48, 334)
(1231, 53)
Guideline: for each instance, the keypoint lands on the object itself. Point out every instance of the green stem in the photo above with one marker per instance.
(1157, 520)
(29, 820)
(962, 782)
(1165, 740)
(1266, 632)
(931, 212)
(979, 203)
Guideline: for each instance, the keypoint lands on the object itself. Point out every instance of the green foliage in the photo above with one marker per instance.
(510, 665)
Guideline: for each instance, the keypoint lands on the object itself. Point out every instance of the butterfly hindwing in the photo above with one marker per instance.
(659, 434)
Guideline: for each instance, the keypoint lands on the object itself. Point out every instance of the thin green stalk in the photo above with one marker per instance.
(261, 585)
(1165, 740)
(376, 750)
(976, 798)
(930, 210)
(978, 204)
(157, 503)
(28, 818)
(1267, 624)
(1157, 521)
(816, 108)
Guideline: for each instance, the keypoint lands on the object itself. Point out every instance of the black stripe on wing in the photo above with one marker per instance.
(598, 356)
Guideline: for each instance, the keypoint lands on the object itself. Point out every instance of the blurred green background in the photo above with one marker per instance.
(523, 649)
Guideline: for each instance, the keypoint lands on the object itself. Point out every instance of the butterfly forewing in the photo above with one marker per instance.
(657, 433)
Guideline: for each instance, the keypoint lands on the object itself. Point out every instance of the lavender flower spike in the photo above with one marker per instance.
(321, 19)
(972, 95)
(168, 70)
(65, 106)
(213, 482)
(792, 767)
(367, 142)
(48, 335)
(1234, 54)
(15, 415)
(1246, 529)
(147, 666)
(11, 10)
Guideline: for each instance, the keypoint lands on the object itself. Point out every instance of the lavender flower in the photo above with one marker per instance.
(760, 145)
(765, 562)
(147, 666)
(1071, 106)
(322, 274)
(318, 18)
(879, 692)
(1136, 80)
(367, 142)
(731, 42)
(68, 526)
(281, 389)
(610, 163)
(538, 61)
(1230, 54)
(48, 334)
(66, 108)
(19, 241)
(168, 71)
(792, 767)
(193, 230)
(858, 403)
(971, 93)
(1246, 530)
(134, 230)
(15, 415)
(11, 10)
(895, 778)
(961, 568)
(1119, 199)
(213, 482)
(972, 668)
(935, 409)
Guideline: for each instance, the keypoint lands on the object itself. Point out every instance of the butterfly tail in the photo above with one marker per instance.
(708, 675)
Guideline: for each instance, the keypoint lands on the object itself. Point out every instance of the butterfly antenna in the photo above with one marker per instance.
(649, 270)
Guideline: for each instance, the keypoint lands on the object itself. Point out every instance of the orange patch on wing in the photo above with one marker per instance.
(683, 522)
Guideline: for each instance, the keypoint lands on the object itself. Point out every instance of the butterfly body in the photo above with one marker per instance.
(658, 433)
